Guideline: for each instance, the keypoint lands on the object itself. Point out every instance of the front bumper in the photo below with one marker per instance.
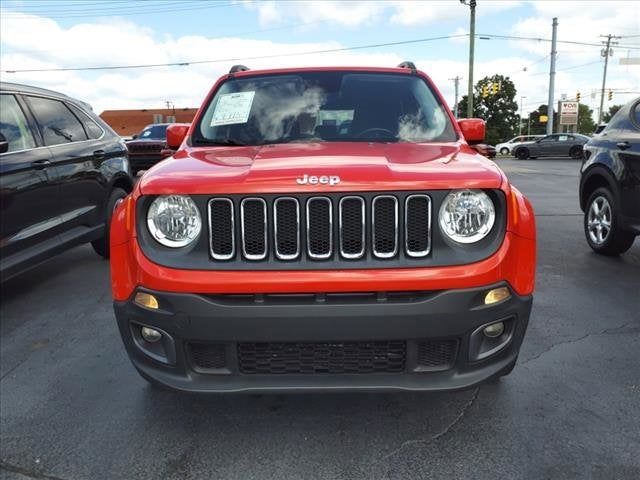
(410, 319)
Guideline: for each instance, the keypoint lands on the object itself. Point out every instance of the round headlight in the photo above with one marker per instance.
(467, 216)
(174, 220)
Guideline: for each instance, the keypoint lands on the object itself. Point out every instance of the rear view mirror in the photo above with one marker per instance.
(176, 133)
(4, 145)
(473, 129)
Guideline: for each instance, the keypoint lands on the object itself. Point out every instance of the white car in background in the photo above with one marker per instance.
(507, 147)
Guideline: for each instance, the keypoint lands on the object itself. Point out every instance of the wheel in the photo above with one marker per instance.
(101, 245)
(522, 153)
(576, 152)
(504, 151)
(601, 225)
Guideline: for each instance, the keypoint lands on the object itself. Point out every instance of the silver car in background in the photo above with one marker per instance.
(506, 148)
(554, 145)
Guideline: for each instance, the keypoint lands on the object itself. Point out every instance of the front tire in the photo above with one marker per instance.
(101, 245)
(504, 151)
(522, 153)
(602, 225)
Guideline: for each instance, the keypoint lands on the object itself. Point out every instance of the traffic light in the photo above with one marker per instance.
(578, 97)
(610, 95)
(485, 91)
(495, 88)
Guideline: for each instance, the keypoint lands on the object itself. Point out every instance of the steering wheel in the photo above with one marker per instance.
(376, 132)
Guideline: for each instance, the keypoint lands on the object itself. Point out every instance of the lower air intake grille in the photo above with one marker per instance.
(437, 354)
(208, 356)
(325, 357)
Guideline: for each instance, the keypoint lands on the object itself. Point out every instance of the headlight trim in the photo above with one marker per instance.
(483, 226)
(193, 225)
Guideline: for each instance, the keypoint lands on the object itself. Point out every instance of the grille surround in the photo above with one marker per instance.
(407, 225)
(278, 253)
(212, 251)
(329, 253)
(342, 223)
(375, 237)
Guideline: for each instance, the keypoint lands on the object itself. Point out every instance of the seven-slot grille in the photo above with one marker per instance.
(317, 228)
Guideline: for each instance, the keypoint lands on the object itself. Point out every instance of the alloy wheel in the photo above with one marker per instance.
(599, 220)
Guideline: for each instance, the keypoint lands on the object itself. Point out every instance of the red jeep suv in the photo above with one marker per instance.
(323, 229)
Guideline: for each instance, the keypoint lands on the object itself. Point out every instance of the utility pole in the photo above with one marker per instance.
(552, 75)
(606, 53)
(456, 82)
(520, 117)
(472, 37)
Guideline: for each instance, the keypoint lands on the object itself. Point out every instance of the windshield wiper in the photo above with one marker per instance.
(221, 141)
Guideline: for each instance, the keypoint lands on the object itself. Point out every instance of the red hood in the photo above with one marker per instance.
(360, 166)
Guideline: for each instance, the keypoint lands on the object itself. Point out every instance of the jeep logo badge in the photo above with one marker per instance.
(314, 180)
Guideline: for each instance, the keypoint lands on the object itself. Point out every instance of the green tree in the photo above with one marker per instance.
(586, 125)
(613, 109)
(498, 110)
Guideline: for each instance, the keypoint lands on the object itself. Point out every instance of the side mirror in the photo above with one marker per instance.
(473, 129)
(133, 137)
(176, 133)
(4, 145)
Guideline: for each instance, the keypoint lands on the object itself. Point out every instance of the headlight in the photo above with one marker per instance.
(467, 216)
(174, 220)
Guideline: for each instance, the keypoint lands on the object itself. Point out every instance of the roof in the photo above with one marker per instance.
(28, 89)
(248, 73)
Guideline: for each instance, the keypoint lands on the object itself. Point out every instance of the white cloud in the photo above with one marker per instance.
(345, 13)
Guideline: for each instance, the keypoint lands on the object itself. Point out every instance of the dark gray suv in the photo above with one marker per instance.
(62, 171)
(554, 145)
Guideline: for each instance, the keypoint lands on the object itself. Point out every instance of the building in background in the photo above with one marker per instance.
(130, 122)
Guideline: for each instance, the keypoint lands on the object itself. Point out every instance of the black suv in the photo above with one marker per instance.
(610, 183)
(62, 171)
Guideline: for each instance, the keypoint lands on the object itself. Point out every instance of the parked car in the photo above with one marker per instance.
(62, 172)
(600, 128)
(279, 250)
(554, 145)
(610, 183)
(507, 147)
(148, 147)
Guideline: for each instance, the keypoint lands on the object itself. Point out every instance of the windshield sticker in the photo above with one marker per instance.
(232, 108)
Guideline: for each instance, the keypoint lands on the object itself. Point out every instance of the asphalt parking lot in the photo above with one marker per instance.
(72, 406)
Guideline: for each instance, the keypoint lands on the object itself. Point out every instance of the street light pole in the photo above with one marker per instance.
(605, 53)
(456, 82)
(472, 37)
(552, 75)
(520, 116)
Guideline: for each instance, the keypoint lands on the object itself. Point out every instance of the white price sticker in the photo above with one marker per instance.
(232, 108)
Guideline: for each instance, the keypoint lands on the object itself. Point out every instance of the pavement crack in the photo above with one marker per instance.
(26, 472)
(606, 331)
(458, 419)
(463, 411)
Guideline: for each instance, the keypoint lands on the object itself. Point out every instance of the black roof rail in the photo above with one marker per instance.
(238, 68)
(410, 65)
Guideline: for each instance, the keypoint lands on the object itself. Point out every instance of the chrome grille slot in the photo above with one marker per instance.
(319, 228)
(384, 224)
(352, 227)
(221, 229)
(253, 221)
(286, 228)
(297, 230)
(417, 225)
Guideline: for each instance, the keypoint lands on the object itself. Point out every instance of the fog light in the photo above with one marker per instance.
(496, 295)
(151, 335)
(494, 330)
(146, 300)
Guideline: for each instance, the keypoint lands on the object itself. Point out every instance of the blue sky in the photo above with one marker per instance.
(85, 33)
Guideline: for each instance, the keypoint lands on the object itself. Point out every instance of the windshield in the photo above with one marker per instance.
(154, 132)
(324, 106)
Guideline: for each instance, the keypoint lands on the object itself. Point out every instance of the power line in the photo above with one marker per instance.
(224, 60)
(538, 39)
(164, 8)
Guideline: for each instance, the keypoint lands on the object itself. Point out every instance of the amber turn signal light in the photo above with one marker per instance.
(146, 300)
(496, 295)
